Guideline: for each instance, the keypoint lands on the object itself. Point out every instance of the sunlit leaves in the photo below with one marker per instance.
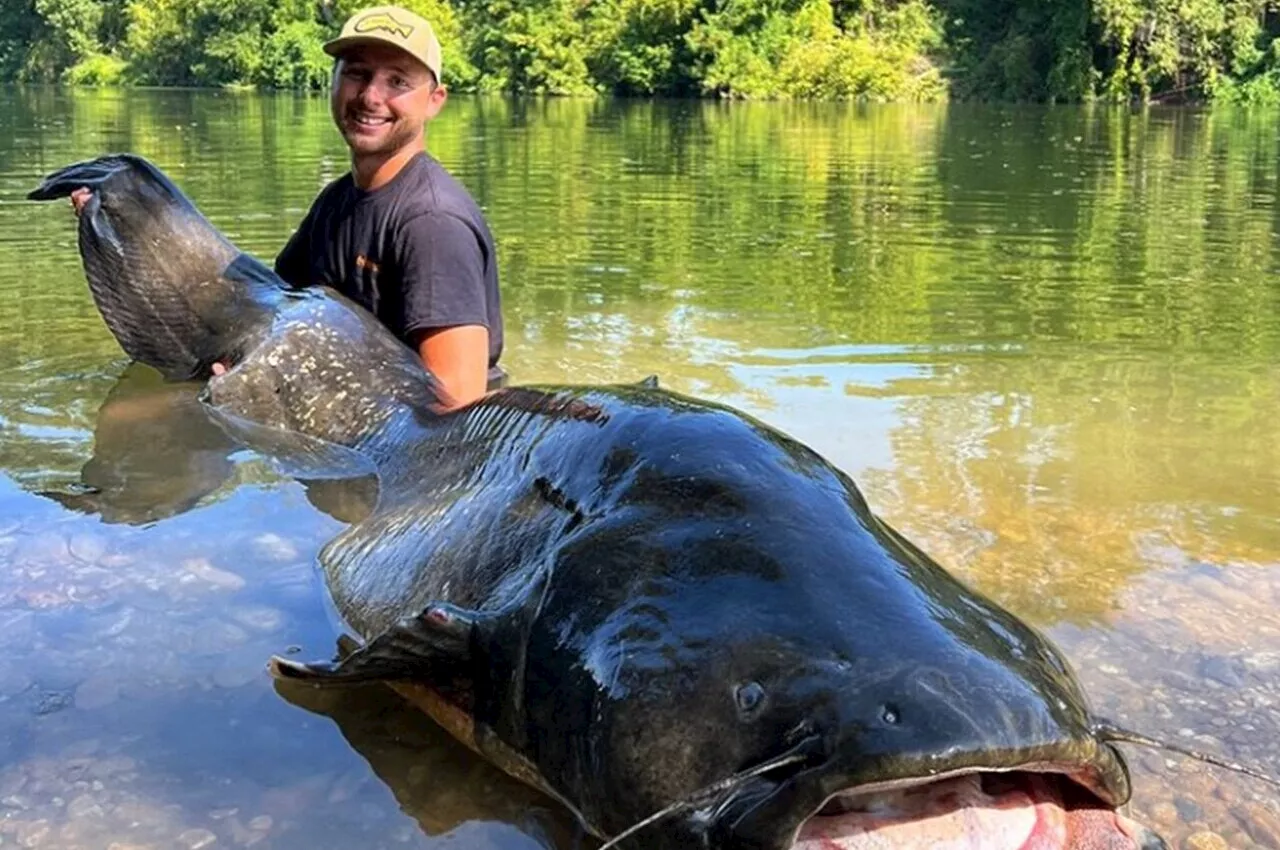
(1064, 50)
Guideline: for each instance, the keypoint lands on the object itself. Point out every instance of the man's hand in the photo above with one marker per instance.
(79, 198)
(459, 359)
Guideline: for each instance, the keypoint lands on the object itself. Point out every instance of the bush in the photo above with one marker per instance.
(96, 70)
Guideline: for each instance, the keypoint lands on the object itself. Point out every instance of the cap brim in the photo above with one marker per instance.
(336, 47)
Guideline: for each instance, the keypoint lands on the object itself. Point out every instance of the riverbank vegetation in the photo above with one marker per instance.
(1062, 50)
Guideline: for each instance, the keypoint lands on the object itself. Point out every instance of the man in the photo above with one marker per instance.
(398, 234)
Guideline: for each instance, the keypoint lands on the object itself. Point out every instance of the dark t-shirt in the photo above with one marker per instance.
(415, 252)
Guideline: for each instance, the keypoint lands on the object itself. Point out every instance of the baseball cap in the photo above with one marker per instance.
(390, 25)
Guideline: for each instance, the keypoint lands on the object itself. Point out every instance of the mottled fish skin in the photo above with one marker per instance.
(328, 370)
(625, 594)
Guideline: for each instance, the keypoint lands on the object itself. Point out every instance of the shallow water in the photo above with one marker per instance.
(1044, 341)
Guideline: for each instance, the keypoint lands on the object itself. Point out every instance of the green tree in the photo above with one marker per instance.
(1022, 50)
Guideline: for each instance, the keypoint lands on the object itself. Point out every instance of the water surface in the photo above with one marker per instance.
(1045, 341)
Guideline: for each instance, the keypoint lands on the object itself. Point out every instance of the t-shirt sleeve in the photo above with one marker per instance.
(443, 273)
(293, 263)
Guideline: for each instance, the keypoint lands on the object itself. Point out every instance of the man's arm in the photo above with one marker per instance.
(446, 320)
(459, 358)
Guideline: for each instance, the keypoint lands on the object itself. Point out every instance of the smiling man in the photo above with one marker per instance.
(398, 234)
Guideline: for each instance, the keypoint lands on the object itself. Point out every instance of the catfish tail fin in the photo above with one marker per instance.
(89, 174)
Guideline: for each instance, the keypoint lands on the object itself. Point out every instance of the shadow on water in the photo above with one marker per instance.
(158, 452)
(435, 780)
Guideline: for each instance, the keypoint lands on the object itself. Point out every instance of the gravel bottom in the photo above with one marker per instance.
(135, 711)
(1193, 657)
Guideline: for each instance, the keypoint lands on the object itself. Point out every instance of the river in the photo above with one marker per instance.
(1044, 340)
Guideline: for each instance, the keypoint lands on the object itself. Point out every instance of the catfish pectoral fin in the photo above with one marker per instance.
(433, 646)
(313, 672)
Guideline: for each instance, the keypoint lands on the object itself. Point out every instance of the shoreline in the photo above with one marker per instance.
(688, 98)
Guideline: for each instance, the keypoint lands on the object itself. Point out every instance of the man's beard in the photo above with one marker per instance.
(396, 139)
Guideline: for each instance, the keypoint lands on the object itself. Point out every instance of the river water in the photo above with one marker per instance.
(1045, 342)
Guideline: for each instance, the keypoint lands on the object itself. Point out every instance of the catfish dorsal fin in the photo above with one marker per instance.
(426, 647)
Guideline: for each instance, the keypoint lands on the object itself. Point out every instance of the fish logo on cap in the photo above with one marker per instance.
(383, 21)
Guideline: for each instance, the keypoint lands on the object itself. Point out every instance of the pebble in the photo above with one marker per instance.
(197, 838)
(1262, 825)
(98, 691)
(88, 547)
(11, 782)
(76, 767)
(207, 572)
(1164, 814)
(32, 833)
(84, 806)
(1222, 671)
(1262, 662)
(260, 618)
(114, 625)
(1221, 593)
(1197, 784)
(213, 637)
(51, 702)
(1181, 681)
(275, 547)
(234, 676)
(1187, 809)
(242, 835)
(17, 629)
(43, 550)
(80, 833)
(261, 823)
(111, 766)
(13, 680)
(1205, 841)
(42, 598)
(347, 785)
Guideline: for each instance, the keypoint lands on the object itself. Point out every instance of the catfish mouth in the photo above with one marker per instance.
(968, 810)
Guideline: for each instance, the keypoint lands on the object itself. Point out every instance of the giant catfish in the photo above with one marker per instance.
(687, 627)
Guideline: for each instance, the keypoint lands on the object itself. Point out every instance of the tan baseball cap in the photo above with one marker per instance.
(390, 25)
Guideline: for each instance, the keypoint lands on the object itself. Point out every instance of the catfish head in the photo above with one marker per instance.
(878, 704)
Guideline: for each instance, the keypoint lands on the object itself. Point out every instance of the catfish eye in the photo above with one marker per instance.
(749, 696)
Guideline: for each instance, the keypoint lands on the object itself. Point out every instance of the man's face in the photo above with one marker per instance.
(382, 97)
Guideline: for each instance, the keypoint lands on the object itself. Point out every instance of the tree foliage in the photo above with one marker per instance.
(1040, 50)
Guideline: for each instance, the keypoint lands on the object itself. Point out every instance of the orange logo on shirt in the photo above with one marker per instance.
(363, 262)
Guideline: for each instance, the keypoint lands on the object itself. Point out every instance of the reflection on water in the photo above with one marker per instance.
(1044, 341)
(156, 453)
